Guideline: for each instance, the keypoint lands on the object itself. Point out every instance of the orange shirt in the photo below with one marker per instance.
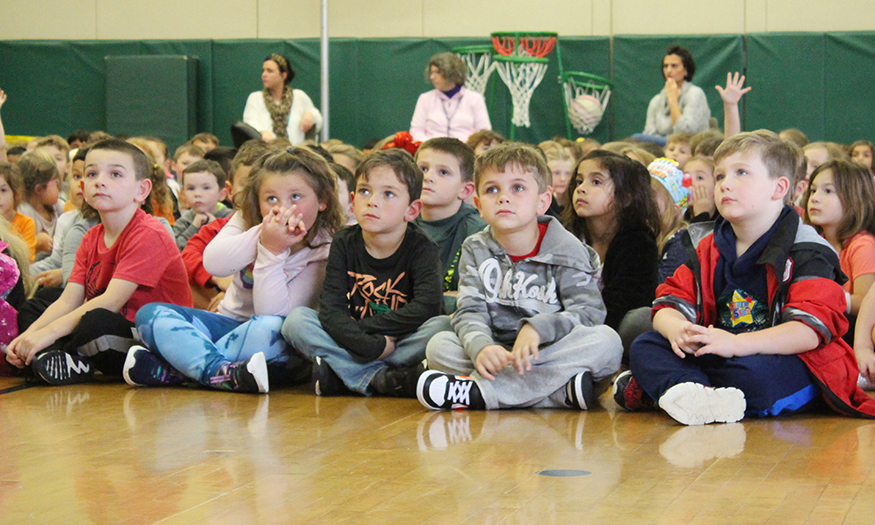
(25, 228)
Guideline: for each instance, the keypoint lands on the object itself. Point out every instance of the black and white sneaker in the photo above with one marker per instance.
(248, 376)
(56, 367)
(143, 368)
(326, 382)
(579, 391)
(440, 391)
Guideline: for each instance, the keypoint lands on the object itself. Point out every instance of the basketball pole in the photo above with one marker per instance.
(324, 62)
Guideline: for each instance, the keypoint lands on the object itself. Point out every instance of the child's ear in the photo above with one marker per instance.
(782, 185)
(228, 189)
(545, 200)
(413, 210)
(224, 193)
(144, 187)
(467, 190)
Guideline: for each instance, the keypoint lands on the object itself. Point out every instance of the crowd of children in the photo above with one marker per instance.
(715, 279)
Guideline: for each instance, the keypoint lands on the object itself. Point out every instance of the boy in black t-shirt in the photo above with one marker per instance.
(382, 293)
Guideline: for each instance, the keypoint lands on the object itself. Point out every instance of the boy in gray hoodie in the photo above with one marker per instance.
(528, 331)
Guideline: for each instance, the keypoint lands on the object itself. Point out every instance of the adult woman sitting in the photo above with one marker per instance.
(278, 111)
(681, 106)
(450, 109)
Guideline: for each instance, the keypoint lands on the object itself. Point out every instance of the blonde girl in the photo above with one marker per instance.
(276, 247)
(560, 162)
(42, 188)
(840, 204)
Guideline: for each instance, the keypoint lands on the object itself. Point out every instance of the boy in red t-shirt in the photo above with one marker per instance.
(125, 262)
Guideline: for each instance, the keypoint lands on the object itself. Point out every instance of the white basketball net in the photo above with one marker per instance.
(480, 68)
(584, 124)
(521, 79)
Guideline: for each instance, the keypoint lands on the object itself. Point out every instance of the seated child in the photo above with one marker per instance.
(702, 206)
(208, 290)
(381, 296)
(11, 191)
(127, 261)
(862, 152)
(561, 164)
(677, 148)
(448, 173)
(15, 286)
(754, 327)
(528, 297)
(203, 184)
(275, 247)
(42, 187)
(345, 180)
(483, 140)
(205, 141)
(58, 150)
(672, 197)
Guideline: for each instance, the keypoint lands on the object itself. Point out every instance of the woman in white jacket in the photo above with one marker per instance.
(278, 111)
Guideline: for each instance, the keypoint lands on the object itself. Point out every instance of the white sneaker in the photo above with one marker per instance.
(696, 404)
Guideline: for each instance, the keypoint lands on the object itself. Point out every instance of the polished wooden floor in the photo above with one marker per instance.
(107, 453)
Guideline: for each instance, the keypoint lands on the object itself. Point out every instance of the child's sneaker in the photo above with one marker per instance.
(326, 382)
(628, 394)
(439, 391)
(249, 376)
(579, 392)
(56, 367)
(397, 382)
(697, 404)
(143, 368)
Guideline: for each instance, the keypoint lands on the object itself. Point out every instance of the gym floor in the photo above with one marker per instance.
(108, 453)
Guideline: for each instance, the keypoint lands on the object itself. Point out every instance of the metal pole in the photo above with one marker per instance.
(324, 40)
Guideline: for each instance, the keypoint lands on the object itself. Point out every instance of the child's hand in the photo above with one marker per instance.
(716, 342)
(733, 91)
(866, 362)
(282, 228)
(390, 347)
(223, 283)
(525, 348)
(202, 218)
(214, 302)
(703, 200)
(492, 360)
(43, 242)
(26, 345)
(49, 278)
(681, 338)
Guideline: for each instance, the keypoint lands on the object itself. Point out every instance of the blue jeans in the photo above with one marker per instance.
(198, 343)
(304, 332)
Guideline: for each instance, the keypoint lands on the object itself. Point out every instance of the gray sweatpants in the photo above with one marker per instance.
(594, 348)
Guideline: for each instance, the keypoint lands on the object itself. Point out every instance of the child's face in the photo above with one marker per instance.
(484, 146)
(7, 200)
(442, 183)
(561, 170)
(594, 190)
(815, 157)
(184, 161)
(202, 192)
(382, 203)
(743, 188)
(110, 182)
(48, 194)
(678, 151)
(286, 190)
(862, 155)
(59, 157)
(701, 174)
(824, 205)
(509, 200)
(344, 199)
(77, 175)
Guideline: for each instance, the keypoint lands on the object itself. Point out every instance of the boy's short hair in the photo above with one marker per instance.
(456, 148)
(484, 135)
(450, 66)
(795, 136)
(38, 168)
(346, 149)
(54, 140)
(205, 137)
(781, 157)
(520, 155)
(80, 134)
(189, 149)
(142, 162)
(400, 162)
(680, 136)
(209, 166)
(12, 175)
(248, 154)
(707, 146)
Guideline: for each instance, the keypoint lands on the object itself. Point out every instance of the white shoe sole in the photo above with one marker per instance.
(130, 361)
(696, 404)
(257, 366)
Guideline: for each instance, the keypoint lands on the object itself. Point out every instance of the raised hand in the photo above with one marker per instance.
(734, 89)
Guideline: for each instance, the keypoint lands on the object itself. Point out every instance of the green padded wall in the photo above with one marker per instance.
(819, 82)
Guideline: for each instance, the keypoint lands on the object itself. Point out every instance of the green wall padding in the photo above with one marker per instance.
(818, 82)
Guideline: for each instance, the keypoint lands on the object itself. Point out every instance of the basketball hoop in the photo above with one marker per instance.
(586, 98)
(521, 65)
(478, 60)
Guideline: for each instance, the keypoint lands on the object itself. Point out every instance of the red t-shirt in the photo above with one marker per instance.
(144, 254)
(193, 254)
(542, 230)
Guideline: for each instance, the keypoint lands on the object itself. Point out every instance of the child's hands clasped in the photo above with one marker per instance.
(282, 229)
(714, 341)
(525, 348)
(492, 360)
(681, 338)
(23, 348)
(203, 218)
